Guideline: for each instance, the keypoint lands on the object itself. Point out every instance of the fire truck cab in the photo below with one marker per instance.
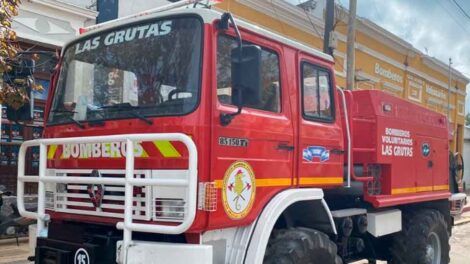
(186, 136)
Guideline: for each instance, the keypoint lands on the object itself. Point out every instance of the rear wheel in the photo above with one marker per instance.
(301, 246)
(423, 240)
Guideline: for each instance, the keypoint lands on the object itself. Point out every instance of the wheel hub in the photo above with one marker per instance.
(433, 249)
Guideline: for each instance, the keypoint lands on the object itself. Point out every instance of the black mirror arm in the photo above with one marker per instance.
(224, 26)
(226, 118)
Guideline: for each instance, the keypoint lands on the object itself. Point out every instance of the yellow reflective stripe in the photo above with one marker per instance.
(144, 154)
(276, 182)
(440, 187)
(320, 180)
(167, 149)
(273, 182)
(52, 151)
(420, 189)
(218, 184)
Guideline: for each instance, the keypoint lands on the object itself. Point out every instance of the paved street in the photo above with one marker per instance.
(11, 253)
(460, 248)
(460, 244)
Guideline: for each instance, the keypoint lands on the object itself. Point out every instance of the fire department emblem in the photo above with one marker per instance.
(239, 190)
(96, 196)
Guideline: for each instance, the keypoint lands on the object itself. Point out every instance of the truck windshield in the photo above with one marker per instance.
(154, 67)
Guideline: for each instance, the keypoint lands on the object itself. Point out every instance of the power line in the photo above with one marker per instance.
(453, 18)
(310, 20)
(461, 9)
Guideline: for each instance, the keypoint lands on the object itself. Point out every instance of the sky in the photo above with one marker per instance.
(435, 27)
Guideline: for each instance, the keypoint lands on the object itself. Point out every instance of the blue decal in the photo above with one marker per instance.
(426, 149)
(309, 153)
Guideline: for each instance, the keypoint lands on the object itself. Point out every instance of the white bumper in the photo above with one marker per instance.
(166, 253)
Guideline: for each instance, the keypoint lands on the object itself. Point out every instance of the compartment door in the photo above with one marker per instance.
(425, 164)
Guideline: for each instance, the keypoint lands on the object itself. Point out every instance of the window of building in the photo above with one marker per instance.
(461, 108)
(316, 93)
(270, 94)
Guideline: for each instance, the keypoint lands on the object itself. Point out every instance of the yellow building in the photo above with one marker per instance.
(383, 61)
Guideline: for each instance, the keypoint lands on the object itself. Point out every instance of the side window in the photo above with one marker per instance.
(316, 93)
(270, 98)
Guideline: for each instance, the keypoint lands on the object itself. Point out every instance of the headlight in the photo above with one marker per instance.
(50, 200)
(169, 209)
(52, 189)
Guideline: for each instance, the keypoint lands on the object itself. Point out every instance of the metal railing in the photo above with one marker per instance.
(128, 182)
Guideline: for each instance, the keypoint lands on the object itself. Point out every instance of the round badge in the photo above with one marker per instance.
(239, 190)
(81, 257)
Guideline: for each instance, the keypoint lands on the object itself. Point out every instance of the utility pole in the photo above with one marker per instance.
(329, 21)
(449, 87)
(350, 69)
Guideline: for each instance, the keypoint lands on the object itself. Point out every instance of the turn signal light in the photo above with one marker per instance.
(207, 197)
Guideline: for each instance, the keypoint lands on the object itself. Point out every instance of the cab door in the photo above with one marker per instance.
(252, 156)
(321, 162)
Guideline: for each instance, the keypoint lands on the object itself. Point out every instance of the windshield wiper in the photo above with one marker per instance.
(132, 110)
(76, 122)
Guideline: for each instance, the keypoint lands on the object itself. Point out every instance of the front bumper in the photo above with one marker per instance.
(167, 253)
(51, 251)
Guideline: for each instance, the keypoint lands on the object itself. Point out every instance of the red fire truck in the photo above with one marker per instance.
(186, 136)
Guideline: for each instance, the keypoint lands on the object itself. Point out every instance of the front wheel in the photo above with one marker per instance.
(423, 240)
(301, 246)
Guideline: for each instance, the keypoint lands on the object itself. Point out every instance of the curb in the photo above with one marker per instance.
(462, 221)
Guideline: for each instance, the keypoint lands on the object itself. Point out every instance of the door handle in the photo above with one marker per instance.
(284, 146)
(430, 164)
(337, 151)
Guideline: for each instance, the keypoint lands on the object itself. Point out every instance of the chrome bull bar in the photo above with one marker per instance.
(128, 182)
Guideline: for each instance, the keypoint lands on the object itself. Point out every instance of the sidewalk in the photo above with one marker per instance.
(465, 216)
(11, 253)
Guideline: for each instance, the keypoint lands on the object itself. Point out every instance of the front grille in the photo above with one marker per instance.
(74, 198)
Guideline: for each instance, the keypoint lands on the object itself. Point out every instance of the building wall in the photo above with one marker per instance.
(85, 4)
(41, 25)
(466, 156)
(52, 23)
(127, 7)
(379, 54)
(417, 77)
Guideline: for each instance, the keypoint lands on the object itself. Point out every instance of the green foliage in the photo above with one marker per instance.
(12, 92)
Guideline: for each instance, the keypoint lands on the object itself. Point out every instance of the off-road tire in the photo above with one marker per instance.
(301, 246)
(409, 246)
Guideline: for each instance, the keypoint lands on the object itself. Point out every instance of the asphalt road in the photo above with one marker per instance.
(459, 253)
(460, 244)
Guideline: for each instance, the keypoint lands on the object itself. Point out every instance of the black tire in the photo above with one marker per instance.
(412, 244)
(301, 246)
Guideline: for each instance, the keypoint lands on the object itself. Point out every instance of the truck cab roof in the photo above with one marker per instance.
(208, 16)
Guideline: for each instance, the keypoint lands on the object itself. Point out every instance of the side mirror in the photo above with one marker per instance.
(246, 75)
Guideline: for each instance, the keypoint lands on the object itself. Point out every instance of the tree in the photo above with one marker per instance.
(13, 92)
(467, 119)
